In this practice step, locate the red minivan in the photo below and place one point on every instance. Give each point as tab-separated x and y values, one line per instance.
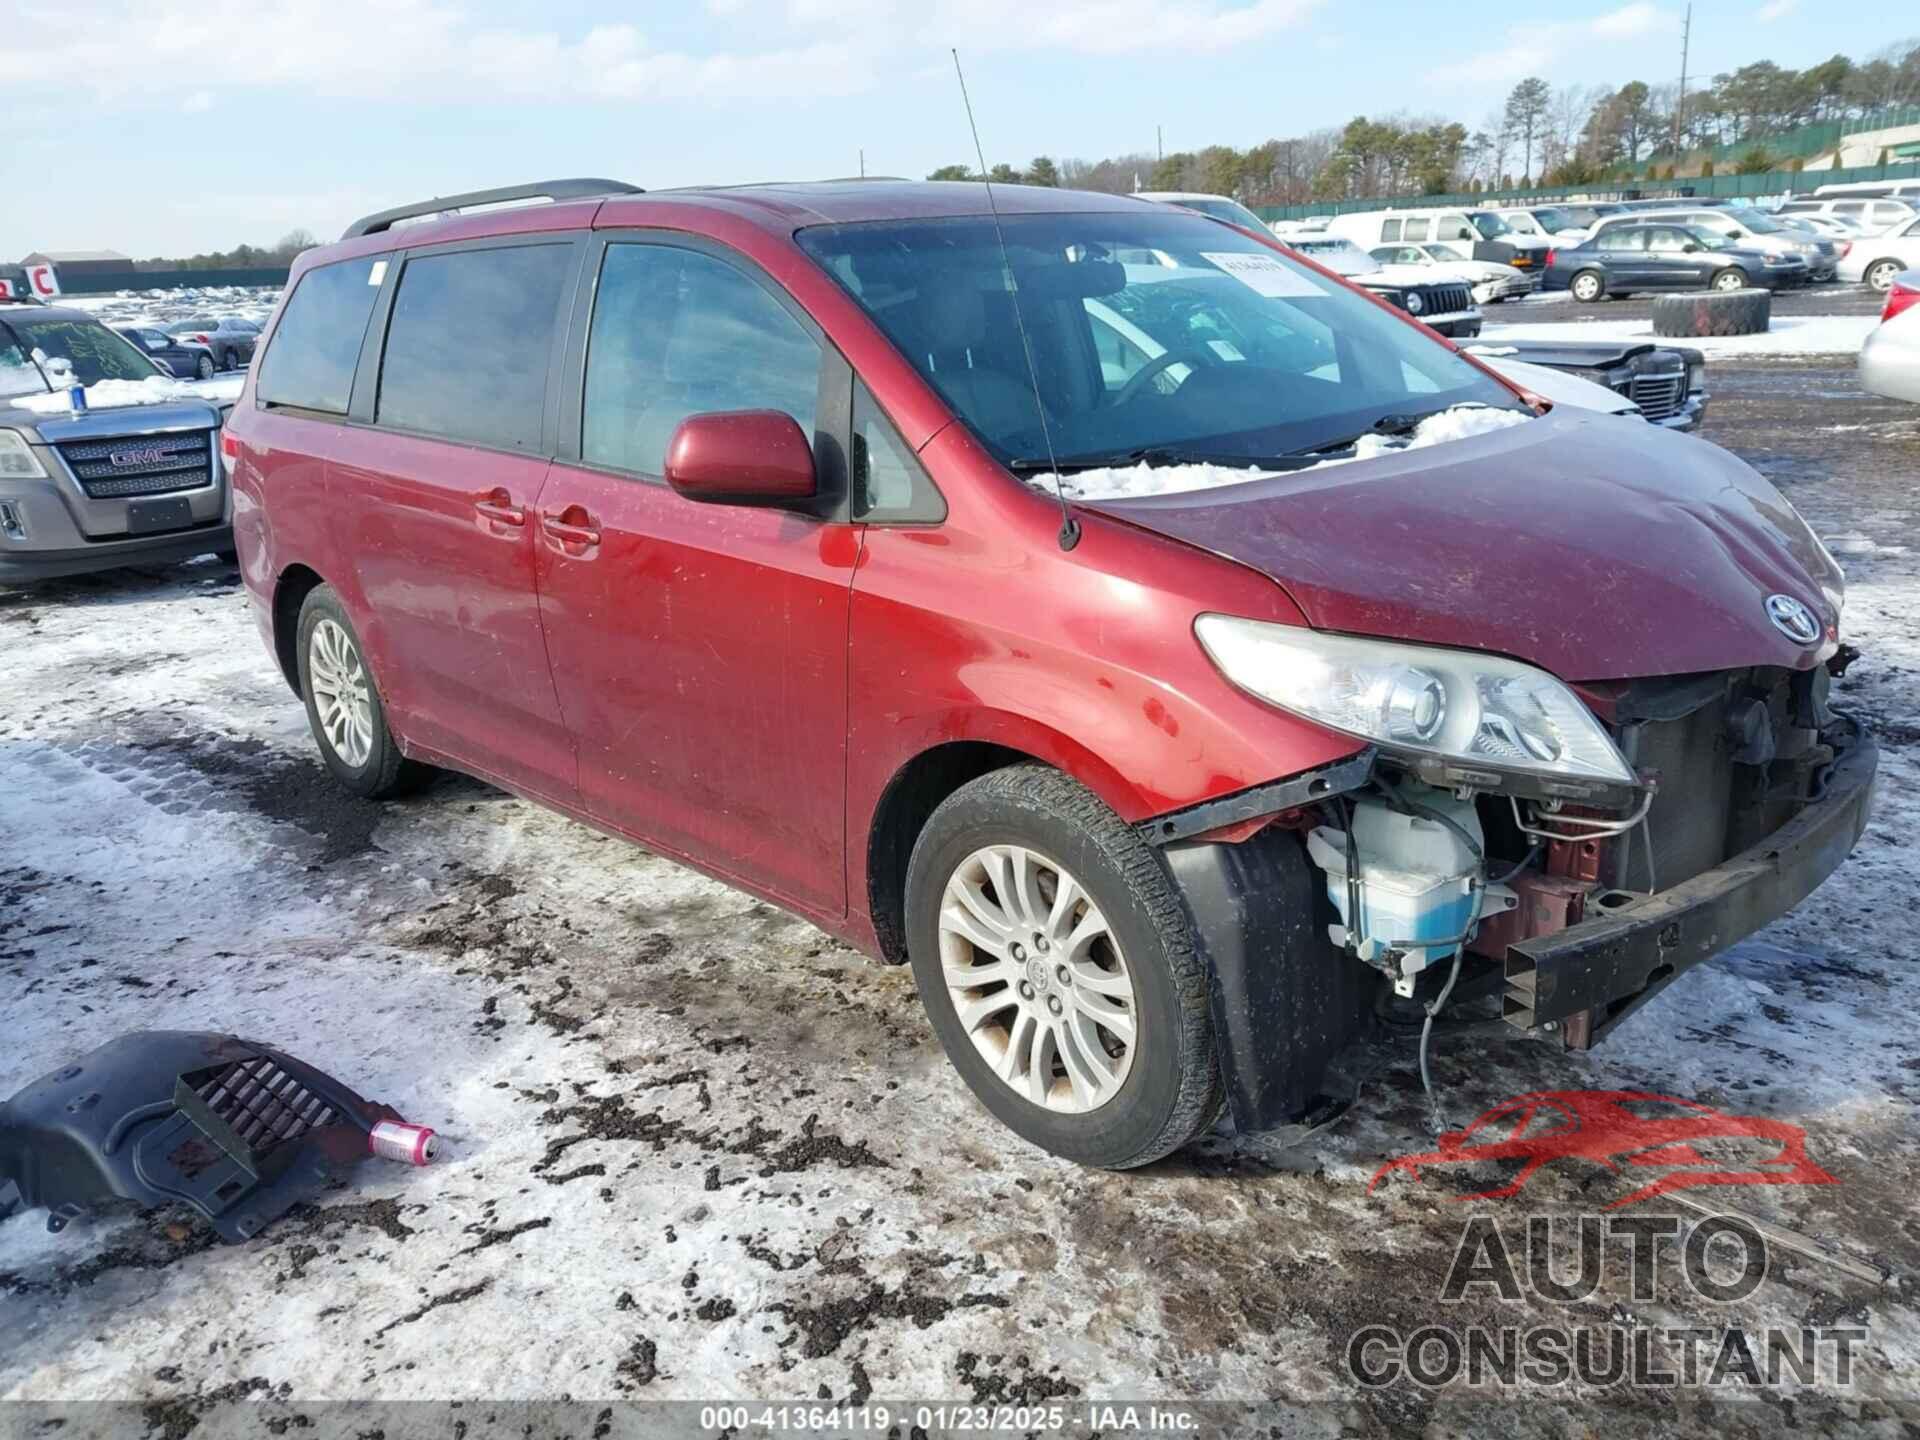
1180	657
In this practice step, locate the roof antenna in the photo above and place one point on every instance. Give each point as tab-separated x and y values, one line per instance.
1069	527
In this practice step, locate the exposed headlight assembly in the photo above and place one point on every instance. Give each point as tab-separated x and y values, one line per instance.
1455	717
1414	303
17	460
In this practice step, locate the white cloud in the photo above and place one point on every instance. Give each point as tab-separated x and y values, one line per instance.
1632	21
409	49
1775	10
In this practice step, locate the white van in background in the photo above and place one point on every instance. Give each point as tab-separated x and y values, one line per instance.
1488	236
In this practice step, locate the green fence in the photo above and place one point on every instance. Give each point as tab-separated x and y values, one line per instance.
107	282
1772	182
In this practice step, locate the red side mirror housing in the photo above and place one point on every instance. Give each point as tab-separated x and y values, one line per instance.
742	457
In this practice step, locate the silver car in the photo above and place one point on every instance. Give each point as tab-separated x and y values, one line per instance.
93	489
1890	360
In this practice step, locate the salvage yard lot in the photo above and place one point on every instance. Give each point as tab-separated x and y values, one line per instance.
699	1150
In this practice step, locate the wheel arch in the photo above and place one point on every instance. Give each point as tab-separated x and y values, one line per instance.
290	591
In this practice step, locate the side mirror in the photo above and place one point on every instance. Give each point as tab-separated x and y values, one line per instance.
741	457
1691	248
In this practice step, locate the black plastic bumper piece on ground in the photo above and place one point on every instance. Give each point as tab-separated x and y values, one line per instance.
1284	1002
1617	961
239	1131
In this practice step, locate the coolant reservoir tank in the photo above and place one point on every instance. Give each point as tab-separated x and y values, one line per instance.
1417	880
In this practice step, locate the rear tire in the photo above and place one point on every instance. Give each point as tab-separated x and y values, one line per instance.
1118	970
1588	286
343	703
229	361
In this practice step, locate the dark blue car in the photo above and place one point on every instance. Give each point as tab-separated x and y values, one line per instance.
1662	255
187	359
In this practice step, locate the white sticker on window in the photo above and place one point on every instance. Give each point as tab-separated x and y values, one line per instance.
1225	349
377	273
1267	274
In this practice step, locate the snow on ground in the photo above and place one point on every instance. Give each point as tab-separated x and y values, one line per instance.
1133	481
698	1150
1788	335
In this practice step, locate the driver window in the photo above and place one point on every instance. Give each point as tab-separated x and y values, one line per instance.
678	333
1668	242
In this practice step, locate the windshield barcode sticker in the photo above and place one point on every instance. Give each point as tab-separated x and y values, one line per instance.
1265	274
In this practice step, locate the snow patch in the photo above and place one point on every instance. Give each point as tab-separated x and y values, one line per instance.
1789	335
154	390
1129	482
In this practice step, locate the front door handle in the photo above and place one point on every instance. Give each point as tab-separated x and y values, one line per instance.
571	526
497	505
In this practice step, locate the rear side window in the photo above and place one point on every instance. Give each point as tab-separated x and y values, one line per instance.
1390	230
311	361
678	333
469	342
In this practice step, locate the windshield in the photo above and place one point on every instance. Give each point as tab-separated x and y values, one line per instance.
1447	252
1708	240
1342	256
1233	351
1553	221
94	351
1759	223
1489	225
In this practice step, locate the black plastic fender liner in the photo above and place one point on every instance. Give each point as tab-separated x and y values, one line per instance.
239	1131
1285	1002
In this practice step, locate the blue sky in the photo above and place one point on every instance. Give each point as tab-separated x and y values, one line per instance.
162	127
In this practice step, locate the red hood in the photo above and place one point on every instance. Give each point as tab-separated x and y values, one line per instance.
1595	547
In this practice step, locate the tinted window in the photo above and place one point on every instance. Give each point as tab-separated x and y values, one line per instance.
94	352
311	361
677	333
469	341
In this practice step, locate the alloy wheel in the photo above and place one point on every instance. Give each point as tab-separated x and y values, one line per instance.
342	693
1038	979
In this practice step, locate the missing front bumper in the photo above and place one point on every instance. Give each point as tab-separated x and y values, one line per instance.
1614	963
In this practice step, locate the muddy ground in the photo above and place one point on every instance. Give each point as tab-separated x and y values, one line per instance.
697	1150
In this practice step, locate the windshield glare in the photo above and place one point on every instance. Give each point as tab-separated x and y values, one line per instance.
1489	225
94	351
1148	332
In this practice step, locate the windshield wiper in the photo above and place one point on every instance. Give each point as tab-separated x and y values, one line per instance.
1154	455
1387	425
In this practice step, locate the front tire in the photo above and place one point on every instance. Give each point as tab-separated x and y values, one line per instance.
1056	962
1733	279
1588	286
203	367
1880	275
343	703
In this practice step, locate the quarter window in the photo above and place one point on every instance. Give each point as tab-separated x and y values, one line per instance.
678	333
888	483
1418	229
469	342
316	346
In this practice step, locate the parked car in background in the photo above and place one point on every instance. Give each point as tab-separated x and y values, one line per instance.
1556	223
1445	305
1745	227
1890	360
1665	385
1487	236
102	487
229	338
1827	226
1628	256
772	528
1863	216
1899	189
1220	207
187	359
1878	259
1488	280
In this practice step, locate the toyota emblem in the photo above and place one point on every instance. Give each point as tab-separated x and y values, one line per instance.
1793	619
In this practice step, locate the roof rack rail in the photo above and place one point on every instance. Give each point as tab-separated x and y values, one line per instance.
538	190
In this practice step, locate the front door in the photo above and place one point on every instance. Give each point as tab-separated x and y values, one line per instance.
1670	263
436	501
700	651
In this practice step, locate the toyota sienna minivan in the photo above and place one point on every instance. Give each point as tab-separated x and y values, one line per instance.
1175	654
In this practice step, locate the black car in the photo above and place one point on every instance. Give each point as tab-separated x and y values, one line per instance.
186	359
1625	258
231	340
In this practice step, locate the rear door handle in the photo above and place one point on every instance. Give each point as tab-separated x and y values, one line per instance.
497	505
571	526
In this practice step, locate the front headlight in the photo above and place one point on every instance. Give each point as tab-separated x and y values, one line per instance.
1474	712
17	460
1414	303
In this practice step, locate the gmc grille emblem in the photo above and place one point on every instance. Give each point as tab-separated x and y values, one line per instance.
151	455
